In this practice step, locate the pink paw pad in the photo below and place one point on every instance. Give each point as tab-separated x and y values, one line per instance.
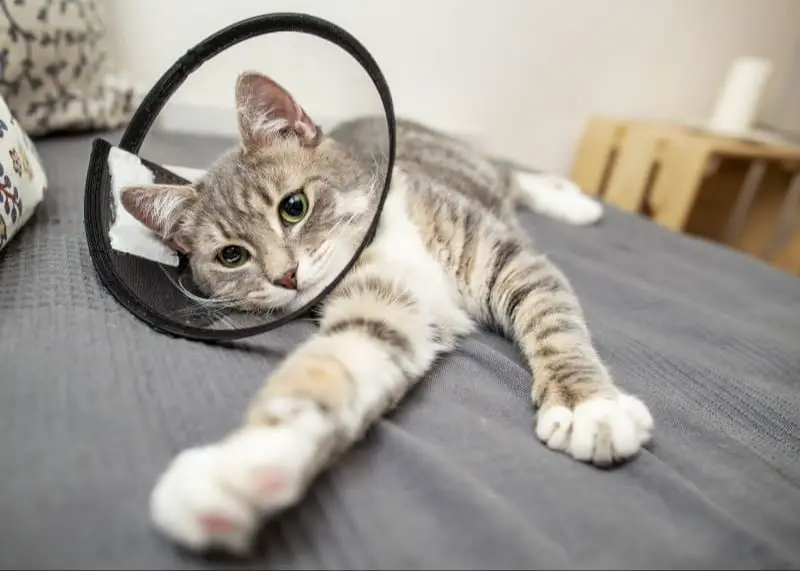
271	483
214	523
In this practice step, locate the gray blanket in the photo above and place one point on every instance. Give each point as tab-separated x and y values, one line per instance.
93	404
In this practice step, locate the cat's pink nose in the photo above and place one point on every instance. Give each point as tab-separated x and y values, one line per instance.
288	280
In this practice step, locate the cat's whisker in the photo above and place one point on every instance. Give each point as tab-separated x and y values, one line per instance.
211	314
227	321
205	301
214	300
329	248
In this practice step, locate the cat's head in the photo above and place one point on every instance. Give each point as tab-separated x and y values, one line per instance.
275	218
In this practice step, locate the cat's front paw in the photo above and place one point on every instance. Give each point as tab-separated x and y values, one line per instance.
217	496
603	430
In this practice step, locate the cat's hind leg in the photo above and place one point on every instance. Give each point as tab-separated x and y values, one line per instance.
581	410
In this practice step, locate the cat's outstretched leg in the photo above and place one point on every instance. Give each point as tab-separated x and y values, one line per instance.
378	335
580	409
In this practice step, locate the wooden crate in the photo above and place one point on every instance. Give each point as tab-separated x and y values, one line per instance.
745	194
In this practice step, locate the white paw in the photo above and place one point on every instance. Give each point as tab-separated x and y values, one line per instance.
560	198
216	496
601	430
579	210
582	210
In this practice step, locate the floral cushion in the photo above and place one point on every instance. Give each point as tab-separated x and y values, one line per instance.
55	71
23	181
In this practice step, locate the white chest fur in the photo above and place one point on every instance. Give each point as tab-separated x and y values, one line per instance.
401	254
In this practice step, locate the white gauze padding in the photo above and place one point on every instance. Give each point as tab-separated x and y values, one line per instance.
127	234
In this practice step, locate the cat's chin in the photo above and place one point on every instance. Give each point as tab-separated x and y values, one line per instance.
264	307
287	303
281	303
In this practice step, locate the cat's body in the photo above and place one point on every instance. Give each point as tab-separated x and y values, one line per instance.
448	256
433	158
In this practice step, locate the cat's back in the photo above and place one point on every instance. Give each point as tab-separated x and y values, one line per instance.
433	160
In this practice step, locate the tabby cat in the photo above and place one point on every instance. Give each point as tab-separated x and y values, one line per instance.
267	225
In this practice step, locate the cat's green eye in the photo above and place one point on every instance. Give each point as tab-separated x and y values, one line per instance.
294	207
233	256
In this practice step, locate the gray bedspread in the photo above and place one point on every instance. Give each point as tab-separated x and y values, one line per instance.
93	404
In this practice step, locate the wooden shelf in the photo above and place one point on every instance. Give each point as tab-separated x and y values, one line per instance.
743	193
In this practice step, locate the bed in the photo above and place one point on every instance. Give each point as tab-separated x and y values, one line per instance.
93	404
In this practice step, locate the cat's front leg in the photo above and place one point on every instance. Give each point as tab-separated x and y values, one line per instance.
580	409
375	340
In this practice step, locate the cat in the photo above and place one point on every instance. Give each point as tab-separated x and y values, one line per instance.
264	226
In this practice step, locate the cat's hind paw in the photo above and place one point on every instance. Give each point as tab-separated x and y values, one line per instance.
215	497
559	198
601	430
583	211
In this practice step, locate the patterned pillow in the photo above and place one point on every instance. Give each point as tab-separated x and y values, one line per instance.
23	181
55	72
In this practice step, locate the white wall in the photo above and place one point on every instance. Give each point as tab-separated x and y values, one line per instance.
521	75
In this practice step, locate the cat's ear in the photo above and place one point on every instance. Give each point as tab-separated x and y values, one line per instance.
266	112
160	207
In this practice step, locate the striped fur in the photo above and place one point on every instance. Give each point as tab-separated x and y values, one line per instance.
448	257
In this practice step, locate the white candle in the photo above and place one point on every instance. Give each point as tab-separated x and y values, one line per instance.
740	98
